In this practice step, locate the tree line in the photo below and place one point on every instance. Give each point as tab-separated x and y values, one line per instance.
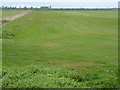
49	8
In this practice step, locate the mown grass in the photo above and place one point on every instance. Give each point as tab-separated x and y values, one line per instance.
83	43
5	13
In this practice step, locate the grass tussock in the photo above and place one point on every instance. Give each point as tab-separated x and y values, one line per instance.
8	34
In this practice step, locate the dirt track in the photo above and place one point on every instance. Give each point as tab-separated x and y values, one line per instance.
13	17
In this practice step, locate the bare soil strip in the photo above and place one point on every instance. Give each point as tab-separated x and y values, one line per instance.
13	17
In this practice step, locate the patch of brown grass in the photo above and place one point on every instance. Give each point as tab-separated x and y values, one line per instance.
52	44
71	64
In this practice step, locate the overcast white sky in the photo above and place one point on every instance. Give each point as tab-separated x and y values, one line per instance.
60	0
61	3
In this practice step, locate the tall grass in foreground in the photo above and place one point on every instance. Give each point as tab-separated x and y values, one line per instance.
39	76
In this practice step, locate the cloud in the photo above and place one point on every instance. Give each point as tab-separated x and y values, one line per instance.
60	1
65	3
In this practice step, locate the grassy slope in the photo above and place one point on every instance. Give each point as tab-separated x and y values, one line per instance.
72	39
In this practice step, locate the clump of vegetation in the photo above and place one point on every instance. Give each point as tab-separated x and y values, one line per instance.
39	76
5	21
8	34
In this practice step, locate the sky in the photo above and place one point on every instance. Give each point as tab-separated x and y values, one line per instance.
62	3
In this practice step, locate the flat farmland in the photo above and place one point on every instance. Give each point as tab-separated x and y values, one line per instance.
61	49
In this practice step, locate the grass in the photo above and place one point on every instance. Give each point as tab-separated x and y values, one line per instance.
82	43
5	13
9	12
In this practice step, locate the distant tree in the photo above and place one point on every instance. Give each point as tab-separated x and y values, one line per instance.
50	7
31	8
10	7
25	8
2	7
6	7
13	7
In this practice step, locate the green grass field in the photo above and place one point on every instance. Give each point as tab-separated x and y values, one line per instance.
5	13
66	49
